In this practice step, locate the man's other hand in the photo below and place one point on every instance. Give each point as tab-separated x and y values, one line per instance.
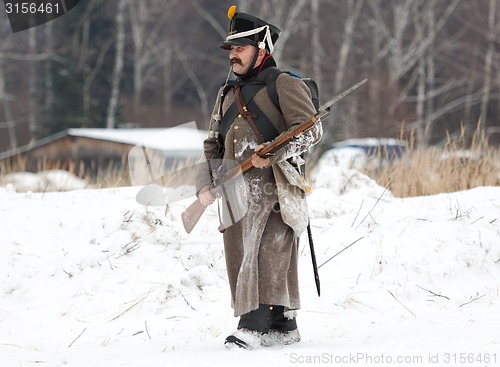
259	162
205	196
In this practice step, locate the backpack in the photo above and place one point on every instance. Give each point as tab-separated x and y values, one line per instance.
273	94
271	87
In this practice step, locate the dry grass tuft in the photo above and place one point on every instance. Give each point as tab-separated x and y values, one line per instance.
113	174
462	163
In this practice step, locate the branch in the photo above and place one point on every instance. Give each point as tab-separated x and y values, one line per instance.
410	311
338	253
69	346
472	300
210	19
374	205
128	309
146	327
187	302
359	210
200	88
431	292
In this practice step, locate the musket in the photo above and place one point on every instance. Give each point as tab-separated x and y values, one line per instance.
193	213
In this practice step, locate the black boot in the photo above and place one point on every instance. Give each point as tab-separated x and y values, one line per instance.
283	330
250	328
258	320
280	322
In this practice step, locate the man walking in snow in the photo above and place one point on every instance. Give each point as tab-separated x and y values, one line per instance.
264	217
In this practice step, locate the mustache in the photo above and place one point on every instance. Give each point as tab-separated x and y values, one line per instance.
235	60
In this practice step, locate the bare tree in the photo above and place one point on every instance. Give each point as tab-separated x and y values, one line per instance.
147	21
32	89
117	72
48	82
91	74
10	123
488	60
425	71
412	52
81	45
376	55
315	39
221	31
193	76
167	80
353	10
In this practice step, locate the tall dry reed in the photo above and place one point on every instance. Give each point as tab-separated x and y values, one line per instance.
460	164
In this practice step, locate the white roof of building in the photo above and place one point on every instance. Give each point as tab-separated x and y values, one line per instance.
183	139
165	139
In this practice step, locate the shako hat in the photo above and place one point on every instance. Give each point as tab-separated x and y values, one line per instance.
245	29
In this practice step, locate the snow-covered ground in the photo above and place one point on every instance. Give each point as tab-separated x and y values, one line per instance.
91	278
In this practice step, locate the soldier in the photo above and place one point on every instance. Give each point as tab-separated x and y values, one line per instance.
264	217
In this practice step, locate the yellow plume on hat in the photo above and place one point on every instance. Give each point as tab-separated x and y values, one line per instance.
231	11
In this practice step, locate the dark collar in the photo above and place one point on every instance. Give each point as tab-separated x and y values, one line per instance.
267	63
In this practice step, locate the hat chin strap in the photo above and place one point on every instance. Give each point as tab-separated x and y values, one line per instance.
252	65
261	44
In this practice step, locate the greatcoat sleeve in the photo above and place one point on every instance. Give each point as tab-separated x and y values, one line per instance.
297	107
212	152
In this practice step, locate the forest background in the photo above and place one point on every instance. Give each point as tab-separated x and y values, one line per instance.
433	67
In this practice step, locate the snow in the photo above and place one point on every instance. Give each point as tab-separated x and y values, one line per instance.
51	180
92	278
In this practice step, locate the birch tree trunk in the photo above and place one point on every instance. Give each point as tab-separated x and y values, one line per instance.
83	45
91	75
421	127
315	40
167	81
488	62
431	72
353	9
32	89
118	68
9	120
47	78
378	33
137	19
419	108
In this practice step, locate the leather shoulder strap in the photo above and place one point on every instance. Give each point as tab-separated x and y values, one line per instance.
247	93
249	89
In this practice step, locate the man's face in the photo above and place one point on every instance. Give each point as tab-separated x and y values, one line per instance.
241	57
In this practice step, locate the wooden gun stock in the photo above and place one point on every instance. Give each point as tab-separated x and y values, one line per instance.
192	215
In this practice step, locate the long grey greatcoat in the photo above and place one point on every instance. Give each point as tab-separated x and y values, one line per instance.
260	248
